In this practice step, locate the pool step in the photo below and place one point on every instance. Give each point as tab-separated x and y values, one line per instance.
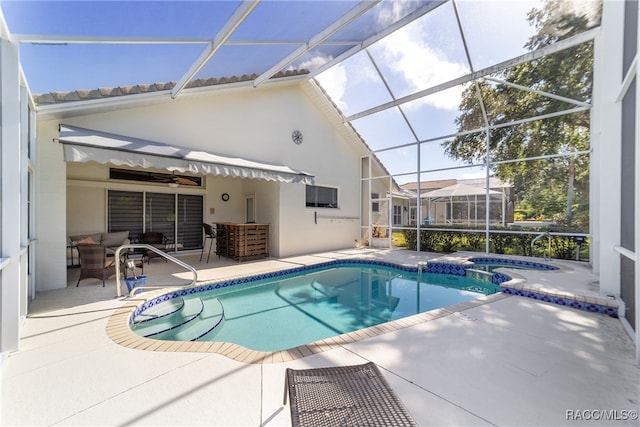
196	319
189	310
160	310
480	275
209	318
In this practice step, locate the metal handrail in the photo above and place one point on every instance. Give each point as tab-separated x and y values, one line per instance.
159	252
544	256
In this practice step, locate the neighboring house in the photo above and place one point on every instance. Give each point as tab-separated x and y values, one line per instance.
461	201
304	180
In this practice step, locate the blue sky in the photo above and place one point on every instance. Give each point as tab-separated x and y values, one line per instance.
423	54
427	52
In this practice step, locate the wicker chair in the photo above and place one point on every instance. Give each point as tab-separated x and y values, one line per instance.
157	240
94	263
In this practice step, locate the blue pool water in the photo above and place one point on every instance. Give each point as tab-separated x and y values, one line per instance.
288	311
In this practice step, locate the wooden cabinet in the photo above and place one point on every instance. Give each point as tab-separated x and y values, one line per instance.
242	241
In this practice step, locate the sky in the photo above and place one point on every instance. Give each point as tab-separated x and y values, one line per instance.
427	52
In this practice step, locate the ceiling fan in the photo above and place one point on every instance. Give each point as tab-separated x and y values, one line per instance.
183	180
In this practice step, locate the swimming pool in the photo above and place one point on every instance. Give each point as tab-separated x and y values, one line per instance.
301	306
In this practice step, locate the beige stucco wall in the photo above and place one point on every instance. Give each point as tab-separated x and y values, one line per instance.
253	123
50	211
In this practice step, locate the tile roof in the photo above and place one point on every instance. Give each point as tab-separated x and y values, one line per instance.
429	185
442	183
100	93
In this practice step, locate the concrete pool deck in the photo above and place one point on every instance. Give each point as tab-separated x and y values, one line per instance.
510	361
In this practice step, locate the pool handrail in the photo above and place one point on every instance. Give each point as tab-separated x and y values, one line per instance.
159	252
533	242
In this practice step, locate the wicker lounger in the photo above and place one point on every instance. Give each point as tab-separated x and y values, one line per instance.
343	396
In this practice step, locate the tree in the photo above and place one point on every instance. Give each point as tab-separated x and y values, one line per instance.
556	188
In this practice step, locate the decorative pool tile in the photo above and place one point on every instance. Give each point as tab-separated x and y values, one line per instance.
568	301
451	267
242	280
595	305
513	262
440	268
499	278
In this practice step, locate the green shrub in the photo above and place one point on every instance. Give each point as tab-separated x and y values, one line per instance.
434	240
448	240
563	247
500	242
522	243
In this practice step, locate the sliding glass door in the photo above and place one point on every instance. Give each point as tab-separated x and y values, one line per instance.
177	216
125	212
189	223
160	214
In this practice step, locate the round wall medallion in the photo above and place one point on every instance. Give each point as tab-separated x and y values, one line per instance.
225	197
296	136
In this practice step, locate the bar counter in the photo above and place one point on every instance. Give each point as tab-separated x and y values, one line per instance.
242	241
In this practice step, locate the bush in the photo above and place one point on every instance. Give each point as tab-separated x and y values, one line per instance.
434	240
475	242
523	243
448	241
563	247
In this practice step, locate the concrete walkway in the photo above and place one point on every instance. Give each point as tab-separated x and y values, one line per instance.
511	361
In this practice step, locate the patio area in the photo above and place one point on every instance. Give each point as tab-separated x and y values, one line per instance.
506	360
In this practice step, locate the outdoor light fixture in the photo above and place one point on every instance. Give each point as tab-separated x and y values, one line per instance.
173	184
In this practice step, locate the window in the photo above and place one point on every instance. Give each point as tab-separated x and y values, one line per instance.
321	197
413	214
397	215
375	206
250	208
146	176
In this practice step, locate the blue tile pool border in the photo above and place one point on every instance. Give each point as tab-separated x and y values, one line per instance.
564	301
254	278
506	262
460	267
434	267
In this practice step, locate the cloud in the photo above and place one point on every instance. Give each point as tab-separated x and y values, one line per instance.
334	81
417	60
312	63
390	12
421	65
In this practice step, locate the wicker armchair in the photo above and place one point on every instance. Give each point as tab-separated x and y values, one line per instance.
94	263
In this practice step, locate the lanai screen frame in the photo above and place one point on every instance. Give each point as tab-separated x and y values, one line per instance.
472	78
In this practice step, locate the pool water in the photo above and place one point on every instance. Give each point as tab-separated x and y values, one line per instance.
285	312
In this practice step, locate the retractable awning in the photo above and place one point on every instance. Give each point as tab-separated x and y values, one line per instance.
85	145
